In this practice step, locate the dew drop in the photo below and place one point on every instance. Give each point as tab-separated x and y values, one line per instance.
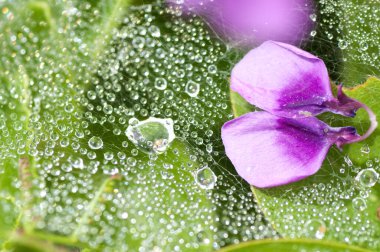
315	229
205	178
160	83
152	135
95	143
363	46
76	162
154	31
365	149
108	155
367	177
342	44
192	88
313	17
348	160
359	204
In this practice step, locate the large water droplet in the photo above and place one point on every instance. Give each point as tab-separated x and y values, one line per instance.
205	178
151	135
95	143
367	177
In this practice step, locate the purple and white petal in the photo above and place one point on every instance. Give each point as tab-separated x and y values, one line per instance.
283	80
267	150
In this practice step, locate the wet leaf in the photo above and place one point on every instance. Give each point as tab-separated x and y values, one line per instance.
333	204
296	245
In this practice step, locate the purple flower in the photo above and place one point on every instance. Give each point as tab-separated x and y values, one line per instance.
286	81
250	22
286	143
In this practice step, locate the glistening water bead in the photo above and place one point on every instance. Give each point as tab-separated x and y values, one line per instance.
160	83
205	178
78	124
359	204
367	177
95	143
192	88
151	135
315	229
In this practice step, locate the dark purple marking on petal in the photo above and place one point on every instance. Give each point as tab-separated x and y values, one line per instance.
343	105
283	80
347	106
269	151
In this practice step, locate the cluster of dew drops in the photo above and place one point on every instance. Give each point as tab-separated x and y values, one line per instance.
335	208
126	148
355	27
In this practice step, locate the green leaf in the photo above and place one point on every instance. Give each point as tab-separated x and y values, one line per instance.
160	184
331	204
295	245
98	204
360	40
239	105
346	38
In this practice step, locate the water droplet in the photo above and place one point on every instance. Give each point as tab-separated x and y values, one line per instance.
160	83
365	149
212	69
342	44
367	177
151	135
154	31
359	204
124	215
76	162
313	17
363	46
192	88
131	161
138	42
348	160
205	178
108	155
315	229
95	143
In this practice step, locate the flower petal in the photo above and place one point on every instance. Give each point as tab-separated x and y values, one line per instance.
269	151
251	22
283	80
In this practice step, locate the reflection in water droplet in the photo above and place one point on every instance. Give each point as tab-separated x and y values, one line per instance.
342	44
313	17
76	162
367	177
151	135
359	204
108	155
192	88
205	178
315	229
347	160
95	143
160	83
365	149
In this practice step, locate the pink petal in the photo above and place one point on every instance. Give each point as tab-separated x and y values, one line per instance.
269	151
283	80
